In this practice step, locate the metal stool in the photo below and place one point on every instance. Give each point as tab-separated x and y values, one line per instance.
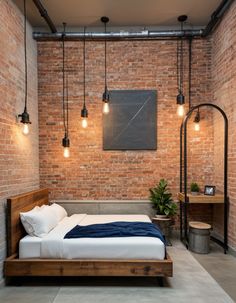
199	237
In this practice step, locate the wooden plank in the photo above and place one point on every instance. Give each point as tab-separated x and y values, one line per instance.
81	267
218	198
15	205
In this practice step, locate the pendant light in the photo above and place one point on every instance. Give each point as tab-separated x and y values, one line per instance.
180	70
65	140
84	111
25	119
105	96
197	121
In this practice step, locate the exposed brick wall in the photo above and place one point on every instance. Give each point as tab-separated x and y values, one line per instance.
19	163
224	95
90	172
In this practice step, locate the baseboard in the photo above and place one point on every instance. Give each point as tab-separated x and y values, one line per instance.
232	251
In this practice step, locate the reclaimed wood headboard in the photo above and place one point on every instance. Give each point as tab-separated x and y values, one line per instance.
15	205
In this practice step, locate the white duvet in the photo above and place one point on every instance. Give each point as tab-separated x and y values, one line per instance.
54	245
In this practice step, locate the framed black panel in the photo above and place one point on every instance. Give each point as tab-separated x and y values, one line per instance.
131	123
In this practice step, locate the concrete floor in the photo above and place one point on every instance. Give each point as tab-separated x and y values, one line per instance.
221	267
190	283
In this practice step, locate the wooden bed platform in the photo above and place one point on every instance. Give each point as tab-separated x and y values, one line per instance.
15	267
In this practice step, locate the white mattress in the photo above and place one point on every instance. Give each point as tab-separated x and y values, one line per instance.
54	245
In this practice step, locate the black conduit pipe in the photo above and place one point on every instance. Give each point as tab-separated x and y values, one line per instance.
43	12
217	16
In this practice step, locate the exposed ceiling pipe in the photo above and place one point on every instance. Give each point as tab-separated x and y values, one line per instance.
123	35
45	15
217	16
118	35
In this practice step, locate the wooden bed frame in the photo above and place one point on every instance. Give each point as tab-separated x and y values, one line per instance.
63	267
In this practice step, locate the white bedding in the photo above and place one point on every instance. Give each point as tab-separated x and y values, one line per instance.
54	245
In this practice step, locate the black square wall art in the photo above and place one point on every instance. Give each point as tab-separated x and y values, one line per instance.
131	123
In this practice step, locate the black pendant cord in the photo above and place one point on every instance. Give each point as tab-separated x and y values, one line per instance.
181	61
177	59
84	67
67	106
26	67
63	78
105	47
190	74
65	140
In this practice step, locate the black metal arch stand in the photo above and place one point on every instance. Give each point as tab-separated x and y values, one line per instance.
183	185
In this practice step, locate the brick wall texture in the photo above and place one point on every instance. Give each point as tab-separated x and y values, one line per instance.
90	172
19	162
224	95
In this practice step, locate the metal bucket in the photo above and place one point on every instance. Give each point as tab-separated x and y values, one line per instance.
199	238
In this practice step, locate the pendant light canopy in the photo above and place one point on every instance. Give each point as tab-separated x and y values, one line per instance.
196	121
25	119
105	96
180	70
65	140
84	111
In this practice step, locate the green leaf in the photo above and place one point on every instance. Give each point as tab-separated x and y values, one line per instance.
162	199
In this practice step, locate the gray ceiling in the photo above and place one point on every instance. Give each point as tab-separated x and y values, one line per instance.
77	13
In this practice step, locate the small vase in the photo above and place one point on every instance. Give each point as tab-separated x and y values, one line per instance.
195	193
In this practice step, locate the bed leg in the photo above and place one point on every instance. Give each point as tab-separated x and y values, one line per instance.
7	281
12	281
160	281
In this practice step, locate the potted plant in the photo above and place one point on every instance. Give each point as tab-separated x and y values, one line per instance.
162	199
194	187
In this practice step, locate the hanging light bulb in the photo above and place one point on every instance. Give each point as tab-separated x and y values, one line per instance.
25	122
25	129
84	115
106	99
197	126
66	146
197	121
84	123
180	110
180	70
106	108
84	111
25	119
66	152
106	95
180	105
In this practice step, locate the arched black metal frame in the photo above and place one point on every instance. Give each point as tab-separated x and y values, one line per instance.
184	172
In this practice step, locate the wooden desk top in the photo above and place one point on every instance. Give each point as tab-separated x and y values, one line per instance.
201	198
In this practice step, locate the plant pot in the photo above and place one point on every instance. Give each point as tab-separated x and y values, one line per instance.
161	216
195	193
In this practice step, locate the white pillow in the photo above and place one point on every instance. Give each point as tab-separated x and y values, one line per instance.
41	221
59	210
28	227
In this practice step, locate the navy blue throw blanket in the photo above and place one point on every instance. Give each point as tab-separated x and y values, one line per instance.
116	229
